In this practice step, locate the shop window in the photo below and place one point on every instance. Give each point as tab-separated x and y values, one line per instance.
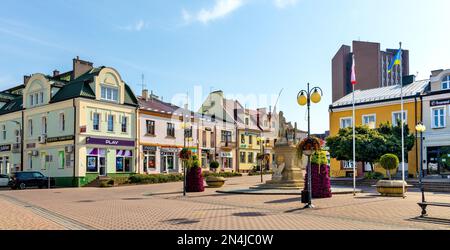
149	160
61	159
124	160
92	164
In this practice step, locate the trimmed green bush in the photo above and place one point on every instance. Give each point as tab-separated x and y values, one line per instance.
222	174
374	176
389	162
214	165
155	178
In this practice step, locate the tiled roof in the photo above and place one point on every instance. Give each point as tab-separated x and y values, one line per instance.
74	90
12	106
381	94
161	107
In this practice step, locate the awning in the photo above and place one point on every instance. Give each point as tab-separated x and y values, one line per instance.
226	155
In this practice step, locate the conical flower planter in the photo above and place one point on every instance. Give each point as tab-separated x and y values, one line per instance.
321	182
195	182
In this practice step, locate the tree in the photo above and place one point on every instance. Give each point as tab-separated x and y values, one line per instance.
370	145
393	135
389	162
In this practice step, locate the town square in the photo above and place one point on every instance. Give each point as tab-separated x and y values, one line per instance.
223	116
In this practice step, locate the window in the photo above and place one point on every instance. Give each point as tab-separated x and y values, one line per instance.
62	122
243	139
31	100
446	83
149	160
30	127
247	121
124	160
250	157
250	139
110	123
124	124
396	118
36	98
17	133
347	164
188	132
170	129
369	120
150	127
242	157
44	125
438	118
346	122
41	97
204	139
30	161
226	136
96	122
4	132
109	94
61	159
212	140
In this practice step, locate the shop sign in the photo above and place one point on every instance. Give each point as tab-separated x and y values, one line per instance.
440	102
149	148
226	155
5	148
60	138
109	142
169	150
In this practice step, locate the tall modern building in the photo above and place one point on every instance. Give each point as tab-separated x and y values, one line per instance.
371	68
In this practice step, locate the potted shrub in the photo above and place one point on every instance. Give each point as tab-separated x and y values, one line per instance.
212	180
214	165
390	187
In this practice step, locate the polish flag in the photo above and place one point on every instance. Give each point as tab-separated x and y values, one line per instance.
353	72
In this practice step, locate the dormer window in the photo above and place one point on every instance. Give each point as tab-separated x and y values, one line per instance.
446	83
36	99
109	94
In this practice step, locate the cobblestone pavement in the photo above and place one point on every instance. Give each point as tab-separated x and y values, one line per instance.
162	206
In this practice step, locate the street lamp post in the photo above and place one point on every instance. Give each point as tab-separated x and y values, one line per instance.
261	141
305	97
421	128
21	143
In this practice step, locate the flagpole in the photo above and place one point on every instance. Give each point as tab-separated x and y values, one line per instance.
354	144
403	121
354	125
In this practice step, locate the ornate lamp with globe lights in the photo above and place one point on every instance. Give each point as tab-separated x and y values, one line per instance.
304	98
420	128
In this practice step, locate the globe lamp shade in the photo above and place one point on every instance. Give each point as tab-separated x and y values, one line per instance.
316	97
302	100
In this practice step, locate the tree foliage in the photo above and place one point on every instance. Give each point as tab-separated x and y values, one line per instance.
371	144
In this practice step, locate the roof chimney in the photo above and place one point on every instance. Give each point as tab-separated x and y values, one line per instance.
80	67
55	73
26	78
145	94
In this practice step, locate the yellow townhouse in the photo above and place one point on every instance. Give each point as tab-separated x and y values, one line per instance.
372	108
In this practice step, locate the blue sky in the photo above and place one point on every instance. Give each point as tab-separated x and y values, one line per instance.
244	47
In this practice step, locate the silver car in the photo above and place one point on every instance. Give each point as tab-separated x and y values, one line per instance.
4	180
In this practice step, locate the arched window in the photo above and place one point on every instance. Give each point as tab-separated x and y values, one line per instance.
446	82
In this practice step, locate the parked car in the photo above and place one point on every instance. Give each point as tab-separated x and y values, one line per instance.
23	180
4	180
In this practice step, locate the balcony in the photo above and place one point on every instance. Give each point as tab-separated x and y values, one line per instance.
227	145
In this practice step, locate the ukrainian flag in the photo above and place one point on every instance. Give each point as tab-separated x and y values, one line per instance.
396	61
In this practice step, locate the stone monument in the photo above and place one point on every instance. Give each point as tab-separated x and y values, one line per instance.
289	170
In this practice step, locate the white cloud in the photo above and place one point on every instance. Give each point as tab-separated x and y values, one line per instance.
221	9
285	3
138	26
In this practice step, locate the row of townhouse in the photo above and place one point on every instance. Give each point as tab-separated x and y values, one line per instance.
426	101
86	123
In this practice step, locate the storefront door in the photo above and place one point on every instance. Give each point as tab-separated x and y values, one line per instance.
102	166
